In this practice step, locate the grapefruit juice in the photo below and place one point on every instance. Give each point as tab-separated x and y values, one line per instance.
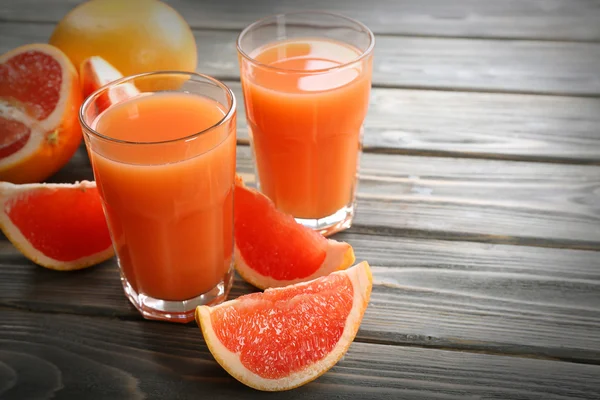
306	79
166	180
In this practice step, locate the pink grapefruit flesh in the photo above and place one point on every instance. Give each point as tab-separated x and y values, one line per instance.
37	88
95	72
59	226
273	250
39	103
288	336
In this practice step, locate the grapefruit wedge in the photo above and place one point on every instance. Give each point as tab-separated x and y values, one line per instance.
273	250
39	101
58	226
95	72
286	337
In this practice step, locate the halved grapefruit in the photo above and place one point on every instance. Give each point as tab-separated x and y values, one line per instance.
39	102
95	72
273	250
59	226
286	337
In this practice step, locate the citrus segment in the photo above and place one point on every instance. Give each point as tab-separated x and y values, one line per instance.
94	73
269	311
14	136
273	250
37	86
288	336
60	226
39	102
254	213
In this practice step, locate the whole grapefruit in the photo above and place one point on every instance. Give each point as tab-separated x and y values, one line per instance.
134	36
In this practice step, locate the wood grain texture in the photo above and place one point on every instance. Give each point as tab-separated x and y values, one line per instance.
101	358
74	335
481	200
482	125
420	63
550	205
530	19
492	298
517	127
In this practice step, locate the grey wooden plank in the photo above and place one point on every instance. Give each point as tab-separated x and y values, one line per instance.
556	68
530	19
481	125
518	127
494	298
522	127
494	201
76	357
483	200
508	299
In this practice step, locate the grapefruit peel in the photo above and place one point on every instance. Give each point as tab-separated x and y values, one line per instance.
11	193
362	282
95	72
337	255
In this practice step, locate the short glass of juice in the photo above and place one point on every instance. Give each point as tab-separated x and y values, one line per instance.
162	147
306	79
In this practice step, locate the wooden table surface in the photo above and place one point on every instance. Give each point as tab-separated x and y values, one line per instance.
478	208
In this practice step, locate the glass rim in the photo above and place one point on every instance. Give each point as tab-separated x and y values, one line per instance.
94	95
359	58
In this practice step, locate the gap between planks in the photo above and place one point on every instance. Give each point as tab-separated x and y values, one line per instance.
461	89
456	154
585	237
526	352
377	34
475	238
477	156
514	78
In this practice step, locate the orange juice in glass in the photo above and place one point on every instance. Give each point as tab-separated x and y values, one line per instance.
164	164
306	79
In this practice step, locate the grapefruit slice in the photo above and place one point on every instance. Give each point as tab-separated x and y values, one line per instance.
273	250
286	337
95	72
39	104
58	226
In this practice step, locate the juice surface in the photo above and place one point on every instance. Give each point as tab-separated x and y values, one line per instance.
306	126
169	206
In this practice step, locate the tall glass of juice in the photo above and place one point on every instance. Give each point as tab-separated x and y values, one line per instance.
162	146
306	79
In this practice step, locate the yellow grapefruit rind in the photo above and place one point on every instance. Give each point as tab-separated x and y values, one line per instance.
135	36
9	191
339	256
362	282
55	139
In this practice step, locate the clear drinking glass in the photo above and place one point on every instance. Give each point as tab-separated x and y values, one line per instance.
162	147
306	78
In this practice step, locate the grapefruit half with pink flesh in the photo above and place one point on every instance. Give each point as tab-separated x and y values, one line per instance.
286	337
95	72
58	226
39	102
273	250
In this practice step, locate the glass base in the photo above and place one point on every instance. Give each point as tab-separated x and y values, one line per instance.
336	222
176	311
